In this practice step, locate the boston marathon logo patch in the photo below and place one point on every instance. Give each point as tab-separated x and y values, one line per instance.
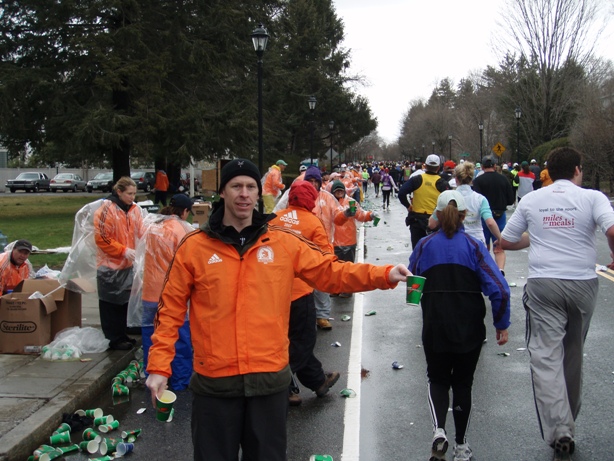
265	255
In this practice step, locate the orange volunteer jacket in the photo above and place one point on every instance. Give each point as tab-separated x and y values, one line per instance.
240	323
345	228
114	231
161	242
161	181
10	274
273	184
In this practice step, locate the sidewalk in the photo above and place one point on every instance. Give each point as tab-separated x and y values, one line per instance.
34	392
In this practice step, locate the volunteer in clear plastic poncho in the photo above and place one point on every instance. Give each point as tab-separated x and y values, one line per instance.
117	225
154	253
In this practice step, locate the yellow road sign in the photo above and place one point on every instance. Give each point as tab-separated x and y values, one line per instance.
498	149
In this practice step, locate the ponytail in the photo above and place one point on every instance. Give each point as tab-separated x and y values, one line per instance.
451	219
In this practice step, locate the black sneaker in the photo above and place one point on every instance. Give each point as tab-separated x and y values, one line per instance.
331	379
121	345
563	448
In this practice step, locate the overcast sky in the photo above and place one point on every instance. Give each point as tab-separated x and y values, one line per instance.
404	47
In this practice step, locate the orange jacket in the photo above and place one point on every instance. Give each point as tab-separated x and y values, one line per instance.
114	231
308	225
161	181
273	184
545	178
240	303
345	228
10	274
160	240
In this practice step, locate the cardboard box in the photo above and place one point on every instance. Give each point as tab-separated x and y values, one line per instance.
67	300
24	322
200	212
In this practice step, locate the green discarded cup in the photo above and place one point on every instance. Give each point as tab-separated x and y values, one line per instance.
108	419
69	448
102	458
119	390
94	413
64	427
320	458
108	427
164	405
50	455
108	445
347	393
59	439
376	221
131	436
89	446
415	286
91	434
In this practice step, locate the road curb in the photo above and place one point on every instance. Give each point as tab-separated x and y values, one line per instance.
22	440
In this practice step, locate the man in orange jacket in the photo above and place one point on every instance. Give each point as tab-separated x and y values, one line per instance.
237	275
161	187
273	185
14	266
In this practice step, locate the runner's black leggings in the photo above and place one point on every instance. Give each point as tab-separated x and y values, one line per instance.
386	196
449	370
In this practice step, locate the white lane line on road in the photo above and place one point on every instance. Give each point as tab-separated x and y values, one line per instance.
351	432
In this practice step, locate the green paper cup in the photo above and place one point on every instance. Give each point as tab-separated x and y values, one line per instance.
108	445
104	420
40	451
91	434
94	413
50	455
108	427
103	458
119	390
376	221
119	399
69	448
59	439
64	427
164	405
89	446
130	434
415	285
320	458
352	203
123	448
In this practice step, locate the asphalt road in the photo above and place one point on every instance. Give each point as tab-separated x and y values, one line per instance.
389	419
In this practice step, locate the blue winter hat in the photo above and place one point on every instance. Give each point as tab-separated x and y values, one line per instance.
313	172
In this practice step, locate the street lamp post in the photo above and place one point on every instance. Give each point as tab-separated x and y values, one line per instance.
518	114
450	143
481	127
331	126
433	143
312	107
260	37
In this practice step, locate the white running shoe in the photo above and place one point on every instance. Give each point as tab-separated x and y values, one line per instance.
439	446
462	452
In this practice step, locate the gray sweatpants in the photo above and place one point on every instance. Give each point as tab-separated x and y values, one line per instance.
558	317
323	304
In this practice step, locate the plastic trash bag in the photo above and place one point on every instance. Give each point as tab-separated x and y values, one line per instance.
71	343
46	273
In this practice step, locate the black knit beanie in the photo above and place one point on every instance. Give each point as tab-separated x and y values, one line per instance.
240	167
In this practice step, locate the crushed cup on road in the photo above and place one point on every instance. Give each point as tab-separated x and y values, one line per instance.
108	427
123	448
320	458
370	313
504	354
336	344
91	434
345	318
108	419
131	436
396	365
347	393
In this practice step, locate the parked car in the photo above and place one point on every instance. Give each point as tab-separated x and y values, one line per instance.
66	182
102	182
144	180
30	181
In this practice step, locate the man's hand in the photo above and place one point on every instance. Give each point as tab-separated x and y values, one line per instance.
130	254
501	337
157	384
398	274
496	248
